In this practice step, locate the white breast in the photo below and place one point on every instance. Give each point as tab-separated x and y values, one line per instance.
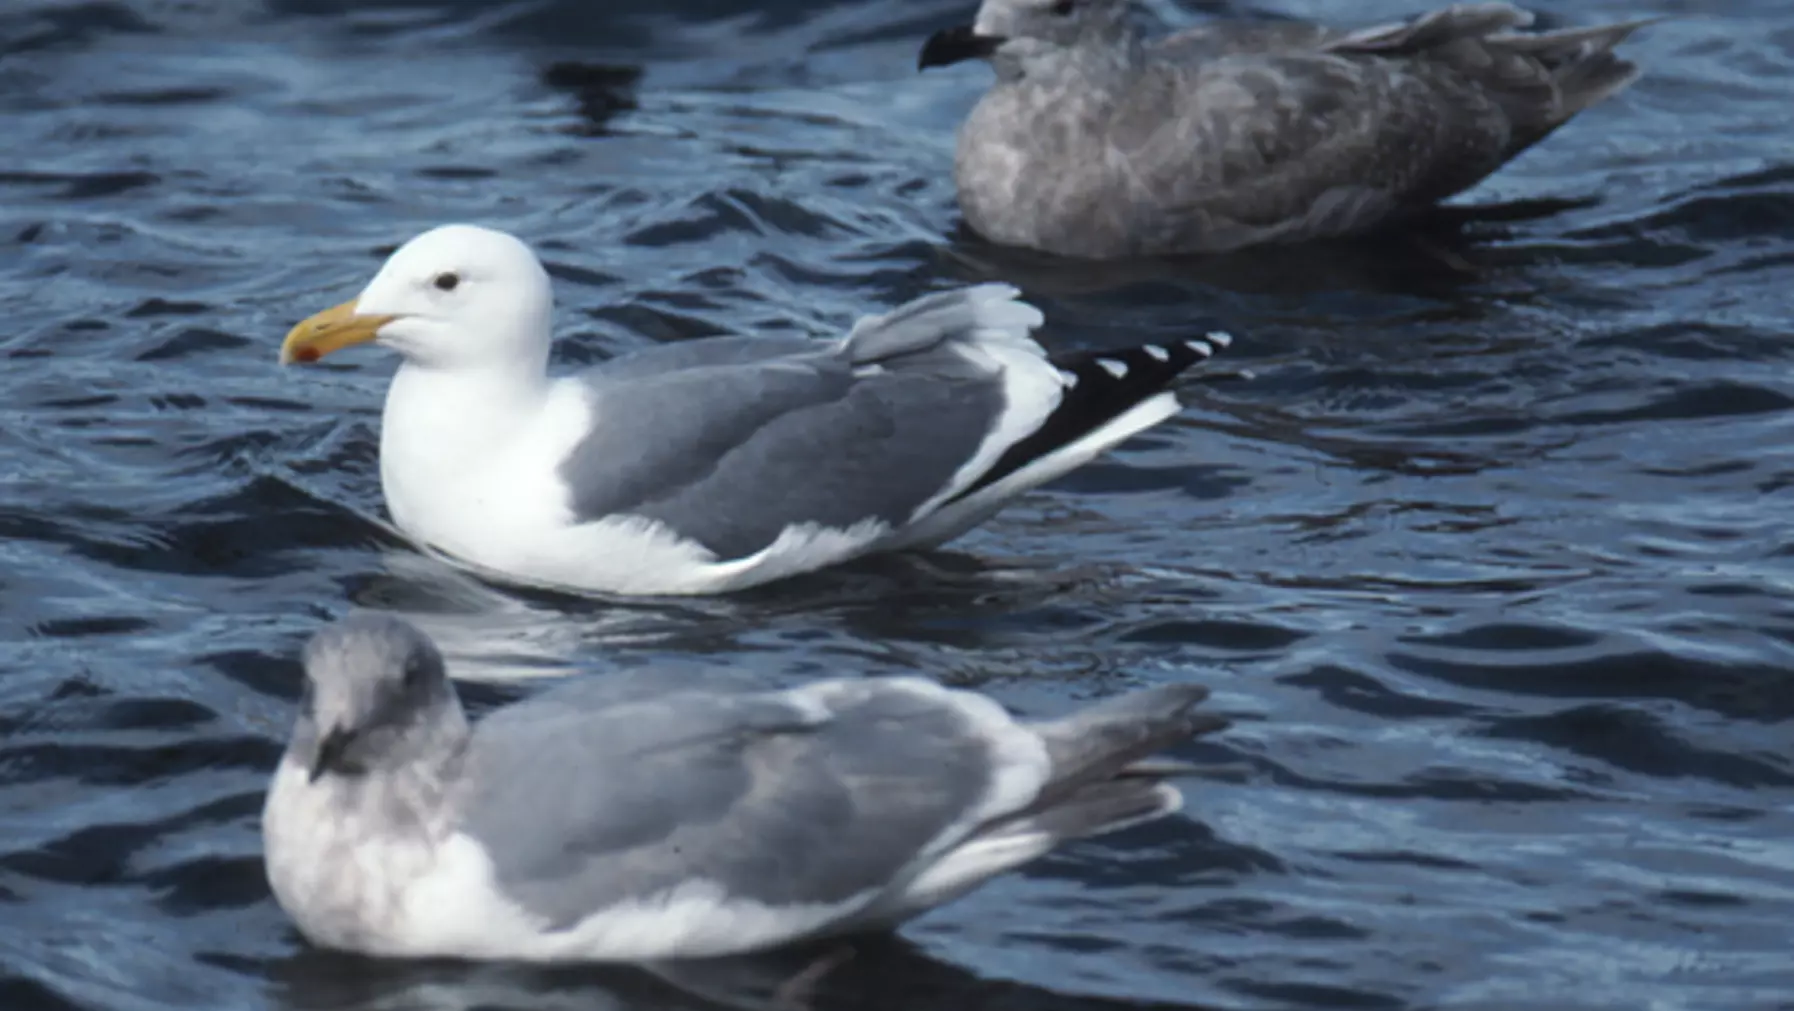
350	881
471	469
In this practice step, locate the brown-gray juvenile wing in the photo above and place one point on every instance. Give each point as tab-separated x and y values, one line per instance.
1266	132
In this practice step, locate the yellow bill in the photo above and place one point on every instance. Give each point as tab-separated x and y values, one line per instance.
333	329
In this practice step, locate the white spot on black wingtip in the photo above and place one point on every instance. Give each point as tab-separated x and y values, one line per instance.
1200	347
1070	379
1219	338
1156	353
1113	367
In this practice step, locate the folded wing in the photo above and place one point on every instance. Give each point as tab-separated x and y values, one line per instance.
732	446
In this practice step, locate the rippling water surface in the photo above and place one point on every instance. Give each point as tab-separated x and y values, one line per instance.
1489	554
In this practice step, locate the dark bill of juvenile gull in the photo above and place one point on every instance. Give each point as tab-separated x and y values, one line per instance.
1097	142
711	465
648	817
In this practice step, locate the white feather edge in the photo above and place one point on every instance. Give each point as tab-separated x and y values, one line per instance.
955	518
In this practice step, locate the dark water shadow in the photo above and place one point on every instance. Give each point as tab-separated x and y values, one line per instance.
600	91
871	973
1438	255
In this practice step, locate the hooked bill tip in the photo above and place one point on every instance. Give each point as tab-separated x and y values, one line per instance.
954	45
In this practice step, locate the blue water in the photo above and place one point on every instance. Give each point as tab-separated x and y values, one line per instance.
1489	556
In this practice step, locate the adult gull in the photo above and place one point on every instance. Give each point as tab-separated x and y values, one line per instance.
1097	142
711	465
642	818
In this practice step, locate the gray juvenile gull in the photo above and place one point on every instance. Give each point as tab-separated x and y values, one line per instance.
1096	142
710	465
642	818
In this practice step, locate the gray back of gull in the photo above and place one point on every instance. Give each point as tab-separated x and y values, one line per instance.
585	798
730	441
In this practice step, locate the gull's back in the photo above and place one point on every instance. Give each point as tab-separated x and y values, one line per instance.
650	815
1218	39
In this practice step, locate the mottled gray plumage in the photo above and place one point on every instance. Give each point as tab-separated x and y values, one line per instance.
840	796
895	410
1097	142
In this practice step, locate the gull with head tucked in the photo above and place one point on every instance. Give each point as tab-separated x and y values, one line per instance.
711	465
647	817
1097	142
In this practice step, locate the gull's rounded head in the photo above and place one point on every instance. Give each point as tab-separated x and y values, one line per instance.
1057	21
1017	36
376	695
457	296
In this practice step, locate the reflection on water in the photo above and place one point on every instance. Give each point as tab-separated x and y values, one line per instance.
871	973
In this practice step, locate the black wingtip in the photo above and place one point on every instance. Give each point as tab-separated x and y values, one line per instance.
1101	386
1130	375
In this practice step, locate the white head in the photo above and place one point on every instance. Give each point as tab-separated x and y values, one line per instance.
1017	34
455	297
377	699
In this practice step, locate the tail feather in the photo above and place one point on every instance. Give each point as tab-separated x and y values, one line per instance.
1579	63
1102	741
1103	807
1544	78
1102	781
1105	773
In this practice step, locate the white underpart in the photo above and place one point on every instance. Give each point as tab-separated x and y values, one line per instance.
468	463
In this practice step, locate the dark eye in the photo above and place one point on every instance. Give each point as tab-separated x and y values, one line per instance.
446	281
414	672
1064	8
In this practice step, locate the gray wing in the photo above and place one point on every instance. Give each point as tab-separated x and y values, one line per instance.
1258	132
712	352
779	798
729	446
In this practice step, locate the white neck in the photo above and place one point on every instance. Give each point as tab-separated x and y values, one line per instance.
441	425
